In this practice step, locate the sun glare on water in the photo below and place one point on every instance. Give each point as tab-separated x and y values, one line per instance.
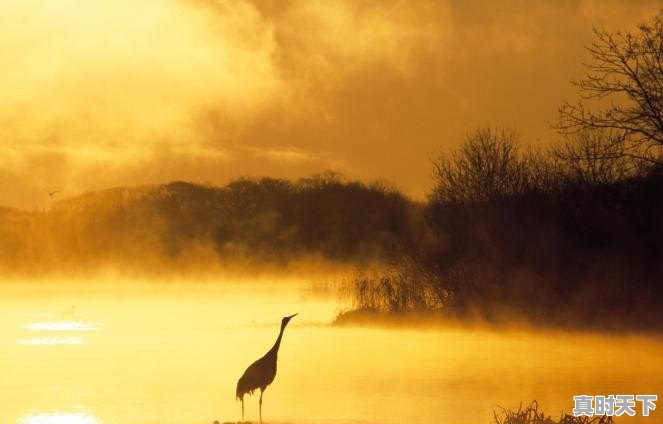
62	326
59	326
44	341
60	418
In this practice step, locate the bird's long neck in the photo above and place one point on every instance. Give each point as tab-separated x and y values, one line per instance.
277	344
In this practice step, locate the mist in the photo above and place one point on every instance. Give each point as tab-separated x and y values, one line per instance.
416	189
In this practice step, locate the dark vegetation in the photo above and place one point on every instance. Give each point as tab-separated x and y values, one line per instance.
184	225
570	236
512	234
532	415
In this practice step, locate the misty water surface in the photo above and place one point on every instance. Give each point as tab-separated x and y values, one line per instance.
167	353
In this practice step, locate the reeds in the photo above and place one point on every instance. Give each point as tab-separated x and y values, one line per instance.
531	415
395	290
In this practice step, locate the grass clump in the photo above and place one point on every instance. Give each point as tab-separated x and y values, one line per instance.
532	415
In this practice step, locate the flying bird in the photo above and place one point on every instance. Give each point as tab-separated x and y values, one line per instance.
261	373
51	193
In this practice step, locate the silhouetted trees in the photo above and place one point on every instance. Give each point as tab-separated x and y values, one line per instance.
594	156
564	236
268	221
547	236
625	77
488	165
571	235
554	237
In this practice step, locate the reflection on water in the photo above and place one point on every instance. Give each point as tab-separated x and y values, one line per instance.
42	341
63	326
153	354
60	418
57	326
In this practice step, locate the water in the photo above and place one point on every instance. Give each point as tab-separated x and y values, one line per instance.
148	353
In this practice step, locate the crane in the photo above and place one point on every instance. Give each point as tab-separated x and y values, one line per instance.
261	373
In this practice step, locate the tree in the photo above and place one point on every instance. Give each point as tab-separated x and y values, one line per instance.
487	165
593	157
625	80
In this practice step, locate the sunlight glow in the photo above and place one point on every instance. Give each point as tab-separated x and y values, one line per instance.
61	418
63	326
44	341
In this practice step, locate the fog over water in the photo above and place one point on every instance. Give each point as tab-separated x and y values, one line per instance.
176	176
172	353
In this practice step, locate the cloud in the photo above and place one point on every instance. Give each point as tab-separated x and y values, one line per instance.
108	92
122	72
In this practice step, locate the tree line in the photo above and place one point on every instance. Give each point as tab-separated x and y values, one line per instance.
514	233
265	220
567	235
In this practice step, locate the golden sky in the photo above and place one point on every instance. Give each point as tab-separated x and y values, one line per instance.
100	93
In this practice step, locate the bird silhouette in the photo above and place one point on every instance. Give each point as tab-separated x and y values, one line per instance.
51	193
261	373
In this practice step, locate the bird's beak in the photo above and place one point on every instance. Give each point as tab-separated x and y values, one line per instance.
292	316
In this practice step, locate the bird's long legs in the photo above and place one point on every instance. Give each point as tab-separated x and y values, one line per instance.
242	408
260	406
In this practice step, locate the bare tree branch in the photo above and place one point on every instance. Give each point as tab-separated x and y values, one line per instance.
627	68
